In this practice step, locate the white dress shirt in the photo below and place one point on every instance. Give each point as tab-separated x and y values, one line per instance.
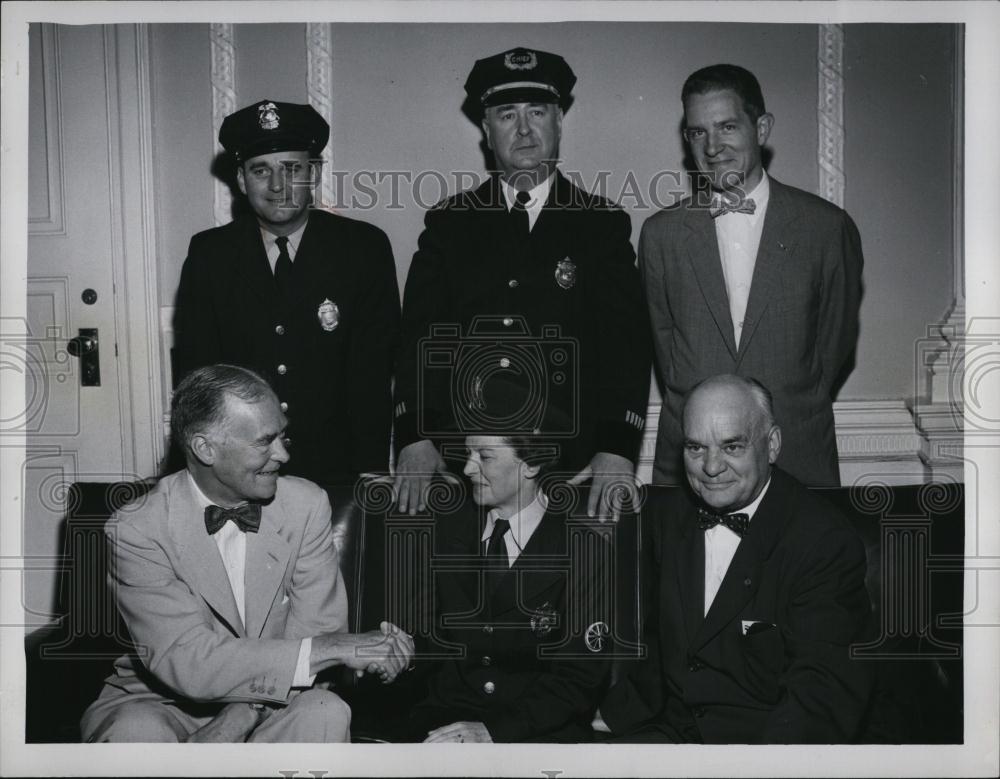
720	546
271	246
522	525
538	194
232	545
739	239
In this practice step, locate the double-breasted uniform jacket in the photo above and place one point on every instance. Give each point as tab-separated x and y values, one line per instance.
175	598
568	303
717	678
800	327
332	368
529	659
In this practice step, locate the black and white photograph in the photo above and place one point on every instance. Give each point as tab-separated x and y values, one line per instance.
603	388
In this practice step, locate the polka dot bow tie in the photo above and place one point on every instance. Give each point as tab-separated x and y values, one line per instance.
738	523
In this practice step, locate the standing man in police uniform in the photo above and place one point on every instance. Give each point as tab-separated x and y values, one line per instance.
525	268
305	297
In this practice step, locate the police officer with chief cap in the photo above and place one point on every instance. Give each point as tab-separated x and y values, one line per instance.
306	297
526	257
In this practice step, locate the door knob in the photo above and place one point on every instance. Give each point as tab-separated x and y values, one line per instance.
85	346
82	344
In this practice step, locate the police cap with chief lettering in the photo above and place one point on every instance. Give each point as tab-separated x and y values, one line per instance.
269	126
520	76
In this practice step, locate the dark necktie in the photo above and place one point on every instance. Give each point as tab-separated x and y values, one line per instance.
283	268
519	214
724	205
738	523
246	517
497	561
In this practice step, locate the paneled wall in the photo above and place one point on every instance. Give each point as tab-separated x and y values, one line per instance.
399	142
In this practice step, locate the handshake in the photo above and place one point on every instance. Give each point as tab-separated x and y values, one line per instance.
386	652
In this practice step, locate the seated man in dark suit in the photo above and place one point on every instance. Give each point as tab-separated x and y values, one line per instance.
757	593
227	578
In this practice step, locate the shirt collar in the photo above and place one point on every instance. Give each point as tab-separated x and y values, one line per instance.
200	497
759	195
538	193
752	508
523	524
293	238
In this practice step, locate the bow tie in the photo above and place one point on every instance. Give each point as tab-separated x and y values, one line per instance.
246	517
738	523
721	205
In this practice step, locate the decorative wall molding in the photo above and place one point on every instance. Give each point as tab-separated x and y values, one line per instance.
223	54
51	222
830	113
319	86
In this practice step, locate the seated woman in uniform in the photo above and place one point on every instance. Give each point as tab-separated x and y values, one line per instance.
513	639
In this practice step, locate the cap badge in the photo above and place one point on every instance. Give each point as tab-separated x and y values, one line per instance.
594	637
566	273
328	315
544	619
267	116
520	60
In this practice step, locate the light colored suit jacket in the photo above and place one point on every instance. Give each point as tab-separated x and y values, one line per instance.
174	595
800	327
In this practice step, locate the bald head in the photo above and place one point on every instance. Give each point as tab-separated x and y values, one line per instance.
730	441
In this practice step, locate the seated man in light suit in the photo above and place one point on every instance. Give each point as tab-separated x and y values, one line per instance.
227	578
757	591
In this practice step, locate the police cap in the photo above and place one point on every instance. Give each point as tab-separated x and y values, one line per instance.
520	76
269	126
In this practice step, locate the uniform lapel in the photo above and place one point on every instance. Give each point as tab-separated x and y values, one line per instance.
267	558
771	254
536	569
743	576
702	247
252	262
199	554
689	554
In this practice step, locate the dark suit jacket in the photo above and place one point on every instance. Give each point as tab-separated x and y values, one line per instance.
337	383
801	321
595	363
175	598
800	568
534	638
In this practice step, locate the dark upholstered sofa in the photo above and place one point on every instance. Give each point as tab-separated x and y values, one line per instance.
913	536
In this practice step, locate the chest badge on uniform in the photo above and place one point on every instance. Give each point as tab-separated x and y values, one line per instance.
544	619
594	637
328	315
566	273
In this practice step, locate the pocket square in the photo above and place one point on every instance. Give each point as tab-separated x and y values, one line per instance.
752	626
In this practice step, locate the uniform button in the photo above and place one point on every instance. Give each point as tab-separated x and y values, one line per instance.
280	329
507	321
487	628
489	687
512	283
487	660
284	406
694	665
504	362
698	711
282	369
287	442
